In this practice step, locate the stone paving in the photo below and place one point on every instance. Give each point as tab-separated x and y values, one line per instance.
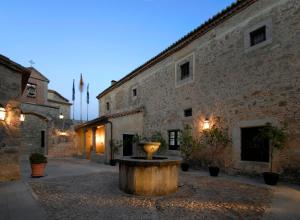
96	196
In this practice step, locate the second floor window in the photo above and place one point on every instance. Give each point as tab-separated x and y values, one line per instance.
188	112
31	90
185	70
107	106
257	36
134	92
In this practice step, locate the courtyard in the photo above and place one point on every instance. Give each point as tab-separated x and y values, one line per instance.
80	189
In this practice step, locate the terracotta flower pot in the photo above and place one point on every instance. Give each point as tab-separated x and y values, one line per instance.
213	171
37	170
271	178
184	166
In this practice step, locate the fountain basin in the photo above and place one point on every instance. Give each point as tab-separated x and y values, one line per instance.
150	148
156	177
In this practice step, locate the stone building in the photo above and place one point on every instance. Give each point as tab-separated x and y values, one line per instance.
56	99
42	126
13	80
240	69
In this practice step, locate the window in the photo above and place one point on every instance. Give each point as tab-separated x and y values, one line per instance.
185	71
257	36
31	90
134	93
107	106
174	139
253	148
188	112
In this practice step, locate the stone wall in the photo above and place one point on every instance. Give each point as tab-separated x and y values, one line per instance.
41	89
10	90
230	81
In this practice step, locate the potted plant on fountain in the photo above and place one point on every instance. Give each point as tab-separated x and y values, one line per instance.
187	145
276	137
217	140
38	163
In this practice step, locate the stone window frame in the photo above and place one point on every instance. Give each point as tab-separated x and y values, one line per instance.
237	141
188	58
247	40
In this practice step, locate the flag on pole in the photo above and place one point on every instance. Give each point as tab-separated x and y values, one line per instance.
88	94
81	83
81	88
73	91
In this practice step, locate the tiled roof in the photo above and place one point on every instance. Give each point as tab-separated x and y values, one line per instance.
219	18
104	119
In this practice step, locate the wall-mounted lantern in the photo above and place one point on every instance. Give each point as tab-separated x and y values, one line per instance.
61	116
2	113
22	117
206	124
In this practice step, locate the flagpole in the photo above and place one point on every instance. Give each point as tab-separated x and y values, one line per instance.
87	112
80	106
87	101
73	98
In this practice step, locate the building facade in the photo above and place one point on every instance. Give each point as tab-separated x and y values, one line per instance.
57	100
42	128
13	80
238	70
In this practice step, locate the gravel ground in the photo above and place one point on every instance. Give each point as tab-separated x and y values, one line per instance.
96	196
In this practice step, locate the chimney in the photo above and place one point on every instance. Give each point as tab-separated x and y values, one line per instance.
113	82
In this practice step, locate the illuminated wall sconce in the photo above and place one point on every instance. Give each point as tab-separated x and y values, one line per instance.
62	133
206	124
2	113
61	116
22	117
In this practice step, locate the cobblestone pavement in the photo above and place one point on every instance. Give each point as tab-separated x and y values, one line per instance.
96	196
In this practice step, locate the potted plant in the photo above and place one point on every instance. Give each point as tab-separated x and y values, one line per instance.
187	145
38	163
276	137
216	139
114	150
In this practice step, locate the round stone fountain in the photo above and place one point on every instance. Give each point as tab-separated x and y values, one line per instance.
149	175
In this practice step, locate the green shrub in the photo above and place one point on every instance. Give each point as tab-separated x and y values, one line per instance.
188	144
37	158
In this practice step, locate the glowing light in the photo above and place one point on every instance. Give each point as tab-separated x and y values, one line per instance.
22	117
206	124
61	116
2	113
100	139
62	133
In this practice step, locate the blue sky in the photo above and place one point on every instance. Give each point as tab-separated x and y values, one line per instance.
103	39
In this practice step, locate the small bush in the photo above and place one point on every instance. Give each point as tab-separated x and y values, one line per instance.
37	158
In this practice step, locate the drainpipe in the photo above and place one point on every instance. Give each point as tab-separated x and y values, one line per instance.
111	139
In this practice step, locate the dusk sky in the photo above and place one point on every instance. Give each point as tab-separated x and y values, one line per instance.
104	40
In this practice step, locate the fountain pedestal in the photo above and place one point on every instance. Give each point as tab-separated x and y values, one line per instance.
155	177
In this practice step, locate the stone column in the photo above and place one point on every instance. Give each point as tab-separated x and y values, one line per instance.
94	129
84	130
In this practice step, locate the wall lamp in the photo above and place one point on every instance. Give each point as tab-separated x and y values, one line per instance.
2	113
61	116
206	124
22	116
